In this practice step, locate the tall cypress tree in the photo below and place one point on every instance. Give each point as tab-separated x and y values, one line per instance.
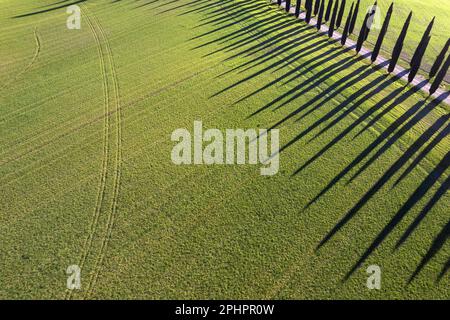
415	68
440	58
370	20
309	10
288	5
377	48
399	44
317	6
320	17
341	14
440	76
347	26
355	16
297	8
362	34
328	13
421	48
333	19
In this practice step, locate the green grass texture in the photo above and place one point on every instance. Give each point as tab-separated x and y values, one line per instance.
86	176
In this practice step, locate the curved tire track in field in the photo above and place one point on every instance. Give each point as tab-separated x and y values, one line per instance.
105	56
118	162
33	60
102	184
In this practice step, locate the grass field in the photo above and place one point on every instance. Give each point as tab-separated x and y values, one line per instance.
86	175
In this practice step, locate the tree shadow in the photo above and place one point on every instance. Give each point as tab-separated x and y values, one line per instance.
49	9
271	29
248	28
421	216
232	11
182	6
435	247
390	135
146	4
306	86
273	44
444	271
383	136
354	101
303	52
423	188
438	139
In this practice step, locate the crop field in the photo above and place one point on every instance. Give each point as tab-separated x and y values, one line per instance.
86	176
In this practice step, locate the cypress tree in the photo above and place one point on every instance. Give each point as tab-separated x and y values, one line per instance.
440	76
320	17
333	19
341	14
355	16
421	48
279	2
347	26
288	5
415	68
376	50
362	34
309	10
297	8
399	44
370	19
317	6
328	13
440	58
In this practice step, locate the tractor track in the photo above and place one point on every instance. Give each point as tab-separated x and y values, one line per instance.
37	51
102	189
118	162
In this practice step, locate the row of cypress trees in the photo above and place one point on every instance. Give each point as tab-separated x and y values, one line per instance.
334	14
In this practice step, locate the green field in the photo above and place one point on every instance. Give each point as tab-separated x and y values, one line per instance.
87	179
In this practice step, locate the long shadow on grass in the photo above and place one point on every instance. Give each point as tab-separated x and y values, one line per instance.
392	140
248	28
49	9
430	204
421	190
274	54
438	139
207	7
323	66
248	39
230	12
444	269
384	135
295	33
347	107
306	86
410	117
437	244
181	6
302	52
147	3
